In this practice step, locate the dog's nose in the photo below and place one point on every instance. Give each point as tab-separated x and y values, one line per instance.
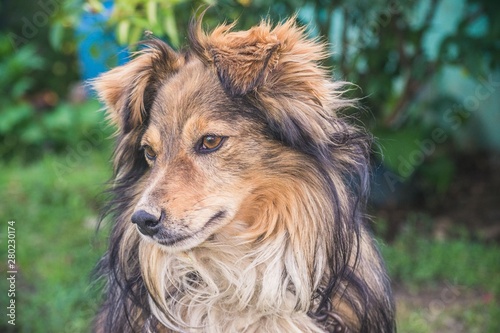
148	224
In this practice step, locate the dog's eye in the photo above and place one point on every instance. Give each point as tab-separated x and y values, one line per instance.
210	143
149	153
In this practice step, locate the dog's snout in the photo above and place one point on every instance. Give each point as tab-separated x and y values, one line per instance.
147	223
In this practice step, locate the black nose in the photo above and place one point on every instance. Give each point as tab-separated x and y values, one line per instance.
148	224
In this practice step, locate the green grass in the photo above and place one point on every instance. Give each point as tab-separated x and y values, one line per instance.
450	285
55	203
55	216
421	261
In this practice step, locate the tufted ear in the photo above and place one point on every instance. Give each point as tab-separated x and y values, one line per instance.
129	90
243	60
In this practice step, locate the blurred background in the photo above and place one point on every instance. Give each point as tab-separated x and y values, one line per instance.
427	73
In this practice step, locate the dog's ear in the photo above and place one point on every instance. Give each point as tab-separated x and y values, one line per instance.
243	66
243	60
129	90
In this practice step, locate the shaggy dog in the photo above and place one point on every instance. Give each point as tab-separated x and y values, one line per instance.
238	192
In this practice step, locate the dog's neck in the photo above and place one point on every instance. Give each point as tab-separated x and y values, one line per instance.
228	286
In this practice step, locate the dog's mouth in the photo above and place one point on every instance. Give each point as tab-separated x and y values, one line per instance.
168	237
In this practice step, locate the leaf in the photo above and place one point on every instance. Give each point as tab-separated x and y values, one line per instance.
56	35
122	32
32	134
151	12
170	26
13	115
21	86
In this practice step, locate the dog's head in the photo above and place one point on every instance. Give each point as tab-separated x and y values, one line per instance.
210	136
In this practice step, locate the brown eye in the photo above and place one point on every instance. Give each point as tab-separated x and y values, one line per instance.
149	153
210	143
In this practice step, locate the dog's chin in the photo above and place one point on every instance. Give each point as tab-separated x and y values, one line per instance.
182	241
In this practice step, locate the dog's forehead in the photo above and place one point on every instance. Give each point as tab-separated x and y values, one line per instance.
194	91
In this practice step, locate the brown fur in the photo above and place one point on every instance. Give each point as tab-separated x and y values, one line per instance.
268	233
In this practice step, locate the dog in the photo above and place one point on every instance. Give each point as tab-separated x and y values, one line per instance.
238	191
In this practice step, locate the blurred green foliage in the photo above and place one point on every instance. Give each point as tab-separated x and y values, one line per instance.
28	134
46	27
16	68
396	53
170	19
39	68
133	17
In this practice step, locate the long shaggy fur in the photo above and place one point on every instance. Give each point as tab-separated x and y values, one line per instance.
285	248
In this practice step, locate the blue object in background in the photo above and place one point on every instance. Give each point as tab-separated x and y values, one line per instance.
97	48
